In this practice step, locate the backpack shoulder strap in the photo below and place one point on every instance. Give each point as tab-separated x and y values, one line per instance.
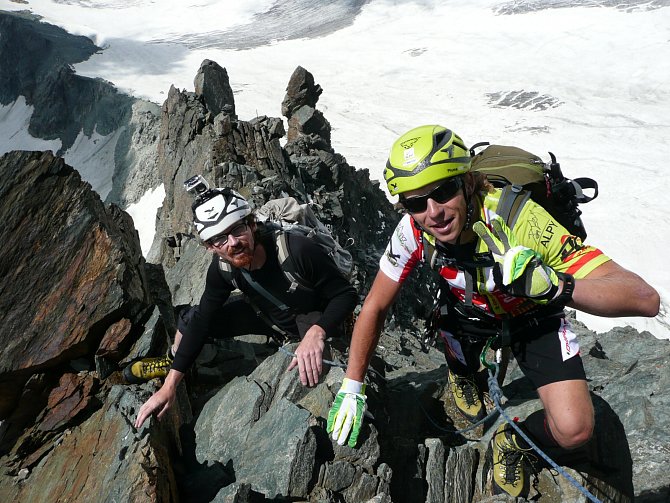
227	272
262	291
429	251
287	264
512	199
431	255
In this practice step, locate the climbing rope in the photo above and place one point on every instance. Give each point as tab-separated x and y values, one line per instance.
496	395
464	430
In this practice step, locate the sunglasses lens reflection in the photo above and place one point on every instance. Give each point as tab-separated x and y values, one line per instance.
440	194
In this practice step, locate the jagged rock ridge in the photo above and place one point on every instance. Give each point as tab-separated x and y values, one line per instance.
66	430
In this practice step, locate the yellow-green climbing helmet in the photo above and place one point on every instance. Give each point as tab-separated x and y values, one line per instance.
424	155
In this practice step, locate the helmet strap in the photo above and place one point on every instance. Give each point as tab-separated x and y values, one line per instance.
469	210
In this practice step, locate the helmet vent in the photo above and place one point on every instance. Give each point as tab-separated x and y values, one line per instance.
439	138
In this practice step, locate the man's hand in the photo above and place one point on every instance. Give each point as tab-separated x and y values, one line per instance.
346	415
519	271
160	401
309	356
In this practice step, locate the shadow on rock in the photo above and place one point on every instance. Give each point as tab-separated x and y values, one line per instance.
607	456
199	482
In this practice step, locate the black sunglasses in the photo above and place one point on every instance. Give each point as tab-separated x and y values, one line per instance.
440	194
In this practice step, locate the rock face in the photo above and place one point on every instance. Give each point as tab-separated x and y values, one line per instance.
58	237
212	85
63	101
73	300
36	62
78	302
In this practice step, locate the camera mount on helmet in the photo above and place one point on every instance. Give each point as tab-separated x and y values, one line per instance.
198	187
214	210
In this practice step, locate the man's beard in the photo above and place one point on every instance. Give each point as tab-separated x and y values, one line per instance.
241	259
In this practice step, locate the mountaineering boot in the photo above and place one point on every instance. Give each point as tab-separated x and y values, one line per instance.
466	397
509	472
145	369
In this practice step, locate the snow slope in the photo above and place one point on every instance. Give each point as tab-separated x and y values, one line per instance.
586	80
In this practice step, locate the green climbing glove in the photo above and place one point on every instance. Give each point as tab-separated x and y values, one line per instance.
518	271
346	414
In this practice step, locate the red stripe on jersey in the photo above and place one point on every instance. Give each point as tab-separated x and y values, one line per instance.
411	263
584	259
448	272
416	255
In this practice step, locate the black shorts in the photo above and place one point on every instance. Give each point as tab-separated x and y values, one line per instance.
546	353
549	355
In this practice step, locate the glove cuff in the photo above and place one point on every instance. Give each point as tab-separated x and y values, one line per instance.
351	386
551	295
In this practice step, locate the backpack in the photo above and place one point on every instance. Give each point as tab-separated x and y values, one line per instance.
285	216
523	175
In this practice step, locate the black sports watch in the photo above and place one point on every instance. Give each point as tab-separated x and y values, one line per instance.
568	288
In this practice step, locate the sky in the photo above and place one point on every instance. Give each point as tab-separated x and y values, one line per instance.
585	80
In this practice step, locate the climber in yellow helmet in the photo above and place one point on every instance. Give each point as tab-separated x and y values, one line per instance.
492	279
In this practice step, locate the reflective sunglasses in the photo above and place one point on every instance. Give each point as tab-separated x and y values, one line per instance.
440	194
221	240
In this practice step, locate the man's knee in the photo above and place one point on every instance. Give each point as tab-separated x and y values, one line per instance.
573	432
184	315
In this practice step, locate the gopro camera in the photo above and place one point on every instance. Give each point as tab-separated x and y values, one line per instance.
196	186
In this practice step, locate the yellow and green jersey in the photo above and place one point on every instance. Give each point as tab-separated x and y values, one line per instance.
535	228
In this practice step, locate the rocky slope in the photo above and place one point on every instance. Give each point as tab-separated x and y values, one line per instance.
78	301
111	137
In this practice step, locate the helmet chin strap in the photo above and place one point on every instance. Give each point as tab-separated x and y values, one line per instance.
469	210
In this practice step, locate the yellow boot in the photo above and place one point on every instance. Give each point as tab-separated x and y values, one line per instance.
509	472
144	370
466	397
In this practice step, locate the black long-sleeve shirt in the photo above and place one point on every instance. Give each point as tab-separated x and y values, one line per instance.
331	294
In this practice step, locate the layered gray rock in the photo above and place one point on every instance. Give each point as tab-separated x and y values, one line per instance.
275	441
213	87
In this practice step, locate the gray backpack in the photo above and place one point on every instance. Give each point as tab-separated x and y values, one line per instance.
286	216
